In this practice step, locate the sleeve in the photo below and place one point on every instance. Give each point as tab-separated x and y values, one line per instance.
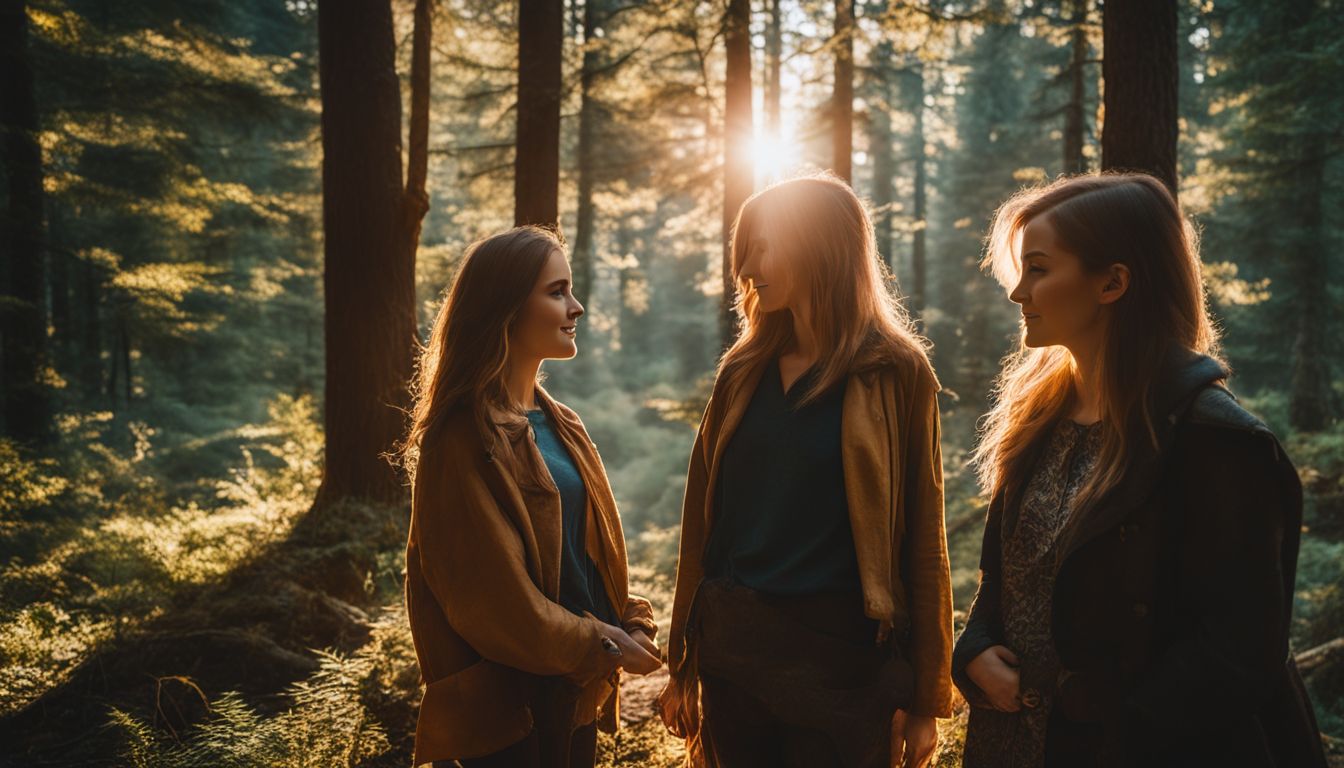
1241	506
638	614
984	628
473	561
929	581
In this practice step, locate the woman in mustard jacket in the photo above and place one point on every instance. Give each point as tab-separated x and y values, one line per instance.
812	618
515	565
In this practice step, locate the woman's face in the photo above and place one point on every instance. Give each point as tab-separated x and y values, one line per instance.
1062	303
773	276
546	326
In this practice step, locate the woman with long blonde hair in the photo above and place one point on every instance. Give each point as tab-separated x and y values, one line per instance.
811	623
1139	551
515	567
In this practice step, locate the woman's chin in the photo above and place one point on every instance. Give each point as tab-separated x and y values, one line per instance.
1032	342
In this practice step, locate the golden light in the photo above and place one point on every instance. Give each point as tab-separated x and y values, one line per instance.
774	156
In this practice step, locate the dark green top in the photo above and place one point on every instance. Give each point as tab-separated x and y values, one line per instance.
581	587
781	519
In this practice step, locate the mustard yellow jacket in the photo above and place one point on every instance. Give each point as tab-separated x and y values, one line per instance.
482	580
894	488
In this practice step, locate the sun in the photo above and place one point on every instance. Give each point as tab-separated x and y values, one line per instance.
773	155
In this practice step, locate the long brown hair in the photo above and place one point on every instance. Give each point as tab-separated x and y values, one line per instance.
1104	219
857	321
463	364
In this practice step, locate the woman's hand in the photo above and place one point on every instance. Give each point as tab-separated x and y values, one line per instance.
646	643
635	657
995	671
913	740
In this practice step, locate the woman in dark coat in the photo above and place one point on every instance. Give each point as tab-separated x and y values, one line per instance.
1141	541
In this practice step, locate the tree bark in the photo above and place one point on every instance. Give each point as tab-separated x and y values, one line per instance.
23	331
1310	399
842	99
738	170
369	280
536	166
1139	71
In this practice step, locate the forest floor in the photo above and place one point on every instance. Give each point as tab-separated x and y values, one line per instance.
152	618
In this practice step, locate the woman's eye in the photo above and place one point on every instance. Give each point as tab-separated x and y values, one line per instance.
558	294
1036	270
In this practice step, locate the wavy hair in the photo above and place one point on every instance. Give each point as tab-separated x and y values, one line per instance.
464	361
827	238
1103	219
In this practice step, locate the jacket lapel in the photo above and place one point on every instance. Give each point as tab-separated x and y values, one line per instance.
603	539
542	506
866	427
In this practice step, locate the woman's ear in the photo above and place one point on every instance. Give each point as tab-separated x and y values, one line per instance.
1117	282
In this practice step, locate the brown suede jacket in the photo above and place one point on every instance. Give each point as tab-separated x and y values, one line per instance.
894	486
482	580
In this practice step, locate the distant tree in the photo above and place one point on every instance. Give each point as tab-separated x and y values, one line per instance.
842	95
774	57
1074	111
879	96
914	91
738	170
23	313
1278	68
589	115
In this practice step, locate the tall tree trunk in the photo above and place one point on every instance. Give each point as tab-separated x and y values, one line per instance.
880	147
842	98
589	114
738	171
919	258
774	54
1074	161
369	279
23	330
536	165
1139	72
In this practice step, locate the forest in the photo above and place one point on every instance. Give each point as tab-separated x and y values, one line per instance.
226	224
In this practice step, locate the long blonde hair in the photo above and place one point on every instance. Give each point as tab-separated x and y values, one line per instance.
828	237
1104	219
463	364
